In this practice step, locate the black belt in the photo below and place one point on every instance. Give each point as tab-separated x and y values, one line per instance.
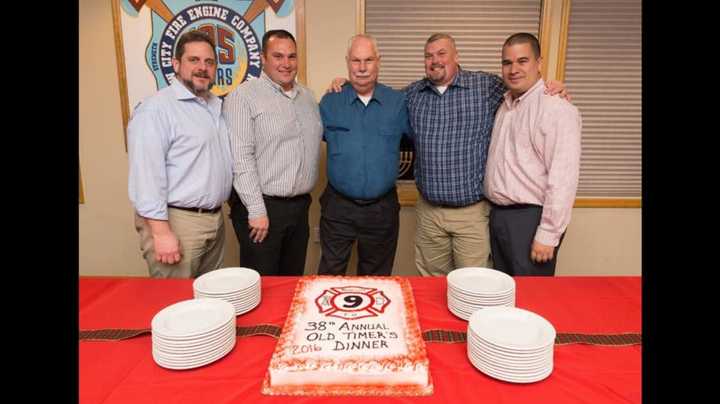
362	202
446	206
197	210
516	206
284	198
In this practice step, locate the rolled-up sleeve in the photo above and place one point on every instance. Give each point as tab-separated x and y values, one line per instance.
149	134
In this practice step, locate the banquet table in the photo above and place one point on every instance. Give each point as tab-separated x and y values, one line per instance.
123	371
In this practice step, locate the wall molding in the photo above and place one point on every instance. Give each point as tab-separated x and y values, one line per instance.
301	45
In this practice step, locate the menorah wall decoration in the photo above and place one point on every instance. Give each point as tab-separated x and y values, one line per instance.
406	162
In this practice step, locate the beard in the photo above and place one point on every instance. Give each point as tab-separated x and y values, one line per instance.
198	90
437	76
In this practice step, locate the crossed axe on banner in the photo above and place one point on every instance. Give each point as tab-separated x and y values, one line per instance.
256	7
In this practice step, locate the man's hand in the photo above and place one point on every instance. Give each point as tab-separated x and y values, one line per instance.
541	253
336	85
165	243
554	87
259	228
167	248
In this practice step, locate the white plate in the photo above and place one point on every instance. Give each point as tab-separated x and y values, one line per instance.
472	297
193	364
231	296
227	296
459	312
508	350
482	281
510	371
200	357
196	339
475	298
513	352
196	355
464	312
195	343
226	280
477	344
238	294
195	352
189	318
511	378
510	364
244	309
513	328
479	305
238	301
505	354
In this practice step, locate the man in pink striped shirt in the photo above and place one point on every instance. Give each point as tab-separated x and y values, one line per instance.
533	165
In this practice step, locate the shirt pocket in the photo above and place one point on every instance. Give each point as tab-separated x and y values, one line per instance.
522	145
390	139
335	136
336	128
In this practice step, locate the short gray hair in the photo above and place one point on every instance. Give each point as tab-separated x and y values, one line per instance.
369	37
438	36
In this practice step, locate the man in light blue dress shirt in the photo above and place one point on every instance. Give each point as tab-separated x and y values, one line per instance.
181	167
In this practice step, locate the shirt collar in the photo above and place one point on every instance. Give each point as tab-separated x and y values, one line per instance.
460	80
278	87
536	87
183	93
352	95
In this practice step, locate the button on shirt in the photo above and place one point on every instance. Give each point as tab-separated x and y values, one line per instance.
535	158
179	153
451	135
275	141
363	142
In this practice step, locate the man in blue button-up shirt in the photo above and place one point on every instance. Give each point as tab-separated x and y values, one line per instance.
363	126
181	167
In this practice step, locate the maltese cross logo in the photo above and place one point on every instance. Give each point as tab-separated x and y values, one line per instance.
352	302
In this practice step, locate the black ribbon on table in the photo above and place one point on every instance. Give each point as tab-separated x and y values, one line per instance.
436	335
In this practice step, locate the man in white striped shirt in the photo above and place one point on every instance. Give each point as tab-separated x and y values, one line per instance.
275	133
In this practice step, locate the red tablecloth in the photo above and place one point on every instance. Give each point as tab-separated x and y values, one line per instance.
124	371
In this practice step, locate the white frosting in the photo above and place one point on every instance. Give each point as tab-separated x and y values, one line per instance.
350	331
417	376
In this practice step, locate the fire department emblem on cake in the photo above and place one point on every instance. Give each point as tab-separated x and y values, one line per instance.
352	302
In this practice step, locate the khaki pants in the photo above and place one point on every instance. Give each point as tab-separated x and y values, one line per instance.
202	242
450	238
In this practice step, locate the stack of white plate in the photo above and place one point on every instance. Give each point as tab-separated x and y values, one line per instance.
511	344
238	286
193	333
473	288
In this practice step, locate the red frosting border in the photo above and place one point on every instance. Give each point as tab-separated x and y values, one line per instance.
414	341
